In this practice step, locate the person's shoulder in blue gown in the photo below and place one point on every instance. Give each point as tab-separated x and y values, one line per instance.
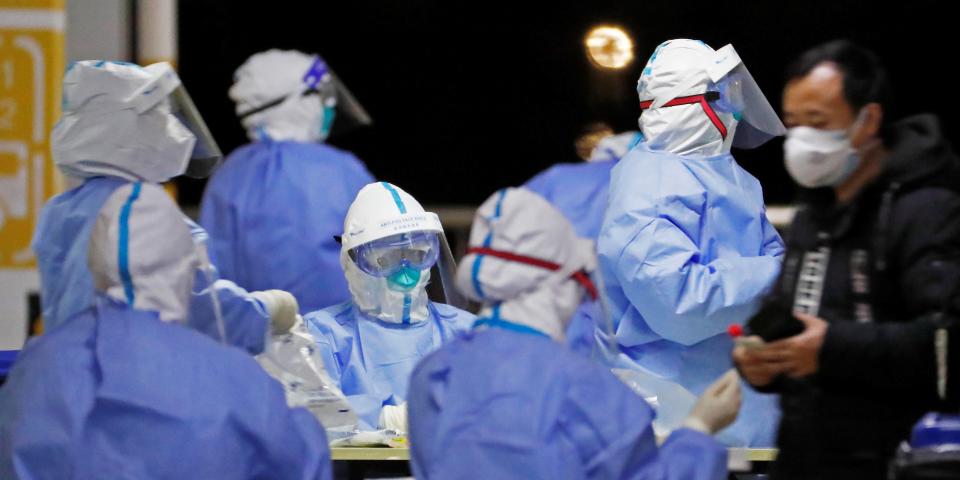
550	414
508	400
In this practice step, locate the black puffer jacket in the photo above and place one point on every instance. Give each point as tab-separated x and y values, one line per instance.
884	271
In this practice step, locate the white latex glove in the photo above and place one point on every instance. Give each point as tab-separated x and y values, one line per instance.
718	406
282	307
393	417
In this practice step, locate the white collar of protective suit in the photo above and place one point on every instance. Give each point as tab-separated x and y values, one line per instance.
646	150
395	225
720	63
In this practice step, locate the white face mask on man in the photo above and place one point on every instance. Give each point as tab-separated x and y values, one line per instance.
821	158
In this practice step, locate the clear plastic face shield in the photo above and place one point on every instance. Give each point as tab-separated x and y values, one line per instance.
739	91
345	113
206	155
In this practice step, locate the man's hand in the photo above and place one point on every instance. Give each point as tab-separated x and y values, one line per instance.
799	355
756	365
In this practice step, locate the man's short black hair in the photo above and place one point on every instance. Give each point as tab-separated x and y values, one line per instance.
864	78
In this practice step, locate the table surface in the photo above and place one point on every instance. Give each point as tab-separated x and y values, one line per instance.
403	454
755	454
370	454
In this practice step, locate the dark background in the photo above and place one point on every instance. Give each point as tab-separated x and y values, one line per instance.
468	97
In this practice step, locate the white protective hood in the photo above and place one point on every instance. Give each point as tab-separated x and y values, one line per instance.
677	119
117	122
519	222
280	74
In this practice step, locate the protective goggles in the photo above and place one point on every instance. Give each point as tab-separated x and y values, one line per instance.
581	277
387	256
703	100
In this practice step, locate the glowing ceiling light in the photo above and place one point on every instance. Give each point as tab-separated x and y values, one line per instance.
609	47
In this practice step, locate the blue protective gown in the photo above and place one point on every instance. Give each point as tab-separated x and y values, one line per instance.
61	242
578	190
114	392
272	211
685	251
371	360
504	404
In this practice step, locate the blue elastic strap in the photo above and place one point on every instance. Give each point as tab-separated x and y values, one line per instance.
123	250
406	309
396	197
475	271
318	70
475	275
509	326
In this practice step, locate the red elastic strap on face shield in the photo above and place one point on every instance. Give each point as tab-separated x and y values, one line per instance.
703	100
580	277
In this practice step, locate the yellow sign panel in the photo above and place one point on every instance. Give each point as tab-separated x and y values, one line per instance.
31	68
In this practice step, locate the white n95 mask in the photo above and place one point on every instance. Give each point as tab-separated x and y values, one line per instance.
819	158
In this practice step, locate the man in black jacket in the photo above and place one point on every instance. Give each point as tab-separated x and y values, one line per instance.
858	329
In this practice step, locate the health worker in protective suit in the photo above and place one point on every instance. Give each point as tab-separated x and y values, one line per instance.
686	249
509	400
579	191
124	129
118	385
273	208
370	344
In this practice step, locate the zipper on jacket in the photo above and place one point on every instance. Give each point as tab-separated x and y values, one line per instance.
883	225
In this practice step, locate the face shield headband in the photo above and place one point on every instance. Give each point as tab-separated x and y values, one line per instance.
315	79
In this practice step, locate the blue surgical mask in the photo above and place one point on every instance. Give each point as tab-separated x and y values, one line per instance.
329	112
